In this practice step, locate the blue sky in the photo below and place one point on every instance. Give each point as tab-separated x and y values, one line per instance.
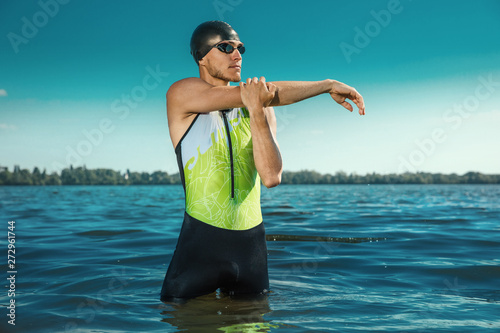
84	82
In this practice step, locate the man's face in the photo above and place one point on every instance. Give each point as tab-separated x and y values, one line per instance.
223	66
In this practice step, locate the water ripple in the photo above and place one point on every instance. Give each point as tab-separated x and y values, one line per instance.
341	258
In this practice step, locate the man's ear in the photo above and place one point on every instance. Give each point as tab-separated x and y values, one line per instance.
202	62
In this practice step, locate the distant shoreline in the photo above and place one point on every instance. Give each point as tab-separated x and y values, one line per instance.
84	176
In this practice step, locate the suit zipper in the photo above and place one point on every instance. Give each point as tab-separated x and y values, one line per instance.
230	153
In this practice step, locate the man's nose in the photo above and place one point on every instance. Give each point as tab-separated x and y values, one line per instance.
236	55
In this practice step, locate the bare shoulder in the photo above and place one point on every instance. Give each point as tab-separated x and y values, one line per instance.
187	82
185	86
180	92
179	118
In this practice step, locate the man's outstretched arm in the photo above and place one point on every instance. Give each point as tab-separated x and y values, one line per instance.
289	92
193	95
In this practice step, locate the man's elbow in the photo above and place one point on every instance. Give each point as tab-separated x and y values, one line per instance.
272	181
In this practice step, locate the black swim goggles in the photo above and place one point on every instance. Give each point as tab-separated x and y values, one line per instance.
228	48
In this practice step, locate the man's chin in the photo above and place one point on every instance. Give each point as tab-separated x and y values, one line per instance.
236	78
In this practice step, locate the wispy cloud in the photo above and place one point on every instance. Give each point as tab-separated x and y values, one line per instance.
3	93
7	127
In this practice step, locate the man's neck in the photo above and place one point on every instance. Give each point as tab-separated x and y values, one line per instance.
213	80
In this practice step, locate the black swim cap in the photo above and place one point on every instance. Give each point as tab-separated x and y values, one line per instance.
207	35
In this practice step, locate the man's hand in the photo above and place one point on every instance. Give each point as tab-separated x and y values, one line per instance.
340	92
256	93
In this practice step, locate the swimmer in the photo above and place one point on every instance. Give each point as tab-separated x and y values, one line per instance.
225	141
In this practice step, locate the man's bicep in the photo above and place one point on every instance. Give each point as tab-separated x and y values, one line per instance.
194	95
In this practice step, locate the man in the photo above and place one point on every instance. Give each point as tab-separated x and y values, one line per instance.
225	141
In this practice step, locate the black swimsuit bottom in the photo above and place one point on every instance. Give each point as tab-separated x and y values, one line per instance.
208	258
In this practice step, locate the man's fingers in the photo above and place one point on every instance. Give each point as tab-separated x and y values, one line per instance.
271	87
358	100
361	106
347	105
257	80
360	103
354	96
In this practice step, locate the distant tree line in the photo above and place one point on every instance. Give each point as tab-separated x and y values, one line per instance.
84	176
313	177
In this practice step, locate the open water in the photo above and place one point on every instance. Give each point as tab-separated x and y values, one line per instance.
383	258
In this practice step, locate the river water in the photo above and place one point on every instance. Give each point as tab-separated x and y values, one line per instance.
348	258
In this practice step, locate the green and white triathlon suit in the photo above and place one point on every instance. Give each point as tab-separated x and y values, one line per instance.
215	158
222	243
